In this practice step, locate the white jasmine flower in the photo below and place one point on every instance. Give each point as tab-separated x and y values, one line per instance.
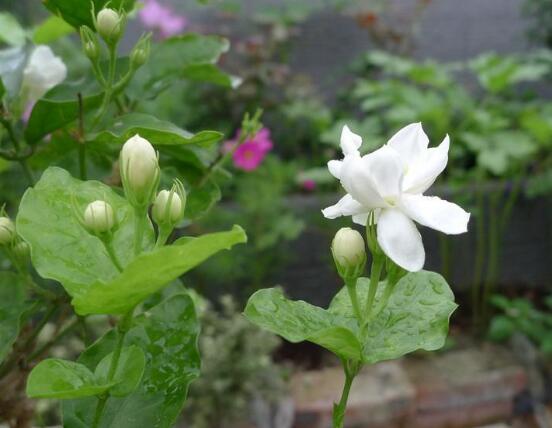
44	70
390	182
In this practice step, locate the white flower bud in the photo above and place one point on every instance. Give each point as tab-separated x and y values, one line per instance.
7	231
109	25
349	252
99	217
139	170
167	208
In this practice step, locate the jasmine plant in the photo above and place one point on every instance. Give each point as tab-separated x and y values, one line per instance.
400	308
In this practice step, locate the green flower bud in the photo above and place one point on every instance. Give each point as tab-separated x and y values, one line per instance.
349	253
109	25
7	231
168	207
90	44
141	51
22	250
139	171
99	217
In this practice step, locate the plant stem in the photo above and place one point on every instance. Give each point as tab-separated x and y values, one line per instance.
17	146
139	221
493	246
164	233
350	283
122	328
375	274
81	140
108	244
108	86
351	369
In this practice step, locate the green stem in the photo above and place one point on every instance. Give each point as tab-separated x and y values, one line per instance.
109	85
139	224
389	287
108	244
493	246
122	328
375	274
17	146
164	233
351	369
350	283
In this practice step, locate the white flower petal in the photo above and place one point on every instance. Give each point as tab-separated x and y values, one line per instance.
423	173
436	213
361	219
410	142
386	171
356	179
350	142
345	206
400	240
335	168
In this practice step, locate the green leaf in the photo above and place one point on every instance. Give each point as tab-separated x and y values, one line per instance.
158	132
128	375
149	272
168	335
415	317
79	12
12	33
61	248
501	328
209	73
60	107
50	30
12	307
55	378
298	321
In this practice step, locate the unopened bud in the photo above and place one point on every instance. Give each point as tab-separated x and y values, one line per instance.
99	217
349	252
109	24
139	171
140	53
90	44
22	251
7	231
169	206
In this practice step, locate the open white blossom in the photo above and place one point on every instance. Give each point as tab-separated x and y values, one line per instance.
43	71
390	182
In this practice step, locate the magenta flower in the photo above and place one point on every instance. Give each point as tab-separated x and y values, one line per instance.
309	185
249	155
162	19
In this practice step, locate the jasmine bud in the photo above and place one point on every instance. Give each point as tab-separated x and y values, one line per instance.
109	25
139	171
90	44
168	208
99	217
7	231
141	51
349	253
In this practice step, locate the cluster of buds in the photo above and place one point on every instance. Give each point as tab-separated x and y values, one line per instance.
349	253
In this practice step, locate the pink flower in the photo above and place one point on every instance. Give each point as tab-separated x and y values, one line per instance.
309	185
162	19
249	155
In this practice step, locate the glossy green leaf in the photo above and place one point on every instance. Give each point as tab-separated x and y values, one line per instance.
61	248
79	12
298	321
415	317
12	307
51	29
158	132
60	107
151	271
55	378
128	375
12	33
168	335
